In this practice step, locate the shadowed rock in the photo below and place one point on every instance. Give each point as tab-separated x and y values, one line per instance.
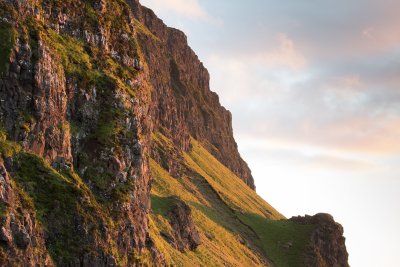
327	245
185	232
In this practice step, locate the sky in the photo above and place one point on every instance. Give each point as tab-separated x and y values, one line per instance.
314	89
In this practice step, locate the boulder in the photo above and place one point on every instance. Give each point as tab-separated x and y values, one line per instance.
185	232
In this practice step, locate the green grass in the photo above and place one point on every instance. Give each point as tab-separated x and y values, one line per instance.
7	41
81	60
92	17
161	205
283	241
73	55
274	232
3	210
58	201
8	148
53	195
61	202
235	193
46	186
107	131
144	30
220	243
231	218
110	125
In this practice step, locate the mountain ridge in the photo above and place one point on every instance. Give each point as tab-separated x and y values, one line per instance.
115	152
208	122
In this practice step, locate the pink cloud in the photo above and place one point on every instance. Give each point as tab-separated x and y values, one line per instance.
187	8
361	135
284	53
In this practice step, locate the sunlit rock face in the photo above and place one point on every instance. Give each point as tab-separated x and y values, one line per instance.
74	95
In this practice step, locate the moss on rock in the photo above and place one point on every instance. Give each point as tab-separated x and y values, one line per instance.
7	37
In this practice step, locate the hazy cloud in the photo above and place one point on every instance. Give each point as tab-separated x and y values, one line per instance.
350	106
190	9
285	54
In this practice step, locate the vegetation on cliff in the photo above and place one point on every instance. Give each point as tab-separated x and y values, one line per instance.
7	37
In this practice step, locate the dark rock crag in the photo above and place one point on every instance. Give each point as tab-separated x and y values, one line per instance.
327	247
186	235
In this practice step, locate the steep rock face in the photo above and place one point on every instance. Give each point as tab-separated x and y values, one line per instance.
327	245
36	100
184	104
20	231
71	94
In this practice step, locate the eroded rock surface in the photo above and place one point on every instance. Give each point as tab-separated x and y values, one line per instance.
186	235
74	95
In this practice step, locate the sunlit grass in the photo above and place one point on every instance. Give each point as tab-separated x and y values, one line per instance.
220	246
234	222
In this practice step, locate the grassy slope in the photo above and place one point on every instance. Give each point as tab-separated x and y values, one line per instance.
242	226
231	188
275	235
219	246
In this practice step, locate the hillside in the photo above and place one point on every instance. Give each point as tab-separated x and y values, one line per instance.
115	152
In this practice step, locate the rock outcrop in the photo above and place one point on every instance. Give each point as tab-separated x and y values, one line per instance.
186	235
327	245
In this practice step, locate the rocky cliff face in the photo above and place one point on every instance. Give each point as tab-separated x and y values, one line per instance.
184	104
99	100
72	95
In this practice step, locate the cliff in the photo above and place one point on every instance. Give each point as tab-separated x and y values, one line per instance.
78	110
114	151
185	106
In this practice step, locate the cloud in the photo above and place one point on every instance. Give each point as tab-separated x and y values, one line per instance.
286	54
337	110
306	157
352	136
187	8
369	33
348	107
279	52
